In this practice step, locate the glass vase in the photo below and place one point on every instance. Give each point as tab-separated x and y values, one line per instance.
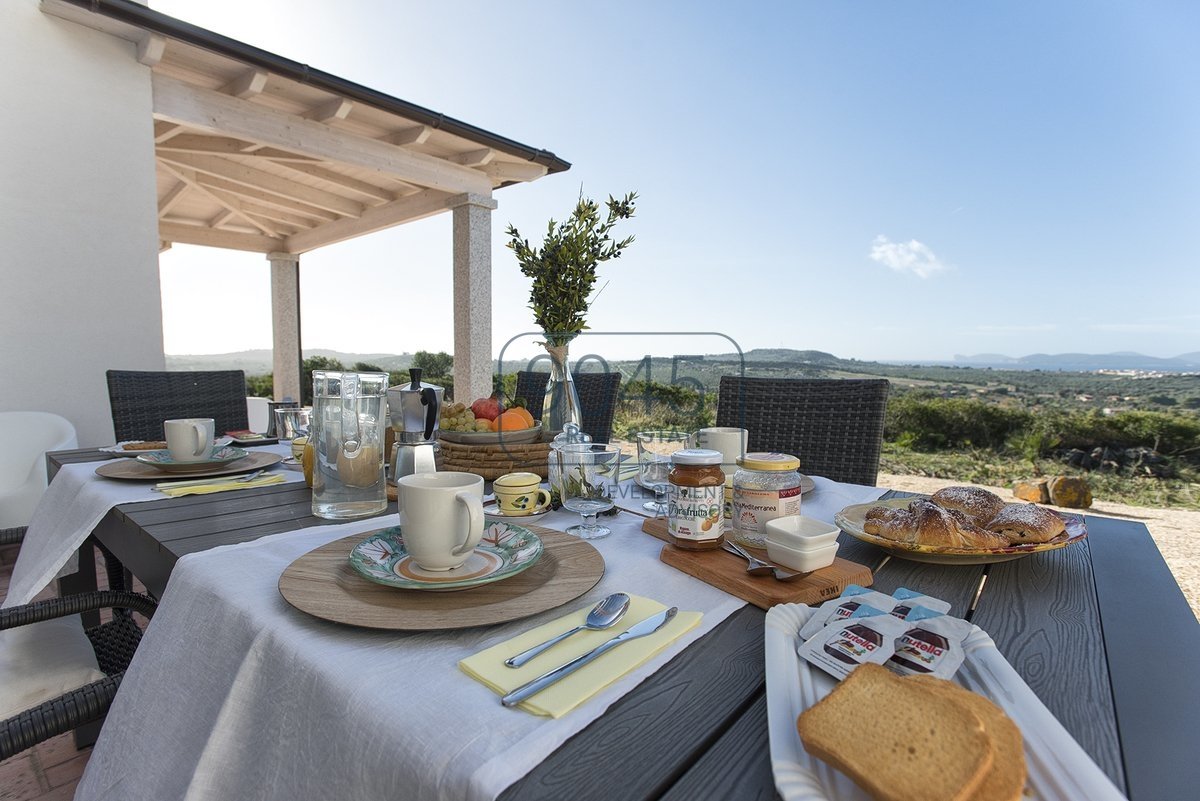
561	403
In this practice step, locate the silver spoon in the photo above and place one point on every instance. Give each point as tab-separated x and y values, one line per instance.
758	567
602	616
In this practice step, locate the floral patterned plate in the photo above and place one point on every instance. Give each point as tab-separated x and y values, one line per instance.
163	461
504	551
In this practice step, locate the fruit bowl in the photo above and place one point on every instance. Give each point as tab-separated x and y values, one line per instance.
517	437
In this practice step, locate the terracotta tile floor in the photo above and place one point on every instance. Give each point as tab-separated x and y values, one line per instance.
48	771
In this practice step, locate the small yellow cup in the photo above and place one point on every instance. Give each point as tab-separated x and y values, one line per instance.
519	494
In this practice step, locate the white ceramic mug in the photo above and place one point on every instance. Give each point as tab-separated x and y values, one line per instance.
731	442
191	439
443	517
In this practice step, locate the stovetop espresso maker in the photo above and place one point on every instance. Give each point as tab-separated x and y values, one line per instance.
413	411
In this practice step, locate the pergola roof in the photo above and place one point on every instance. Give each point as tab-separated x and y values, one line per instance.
256	152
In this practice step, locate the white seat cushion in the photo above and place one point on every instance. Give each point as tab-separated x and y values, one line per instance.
42	661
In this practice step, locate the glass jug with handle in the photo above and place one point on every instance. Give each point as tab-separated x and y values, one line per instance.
347	428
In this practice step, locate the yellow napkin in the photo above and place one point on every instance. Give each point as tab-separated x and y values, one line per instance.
207	489
561	697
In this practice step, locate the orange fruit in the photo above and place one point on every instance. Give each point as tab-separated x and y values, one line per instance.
521	410
512	420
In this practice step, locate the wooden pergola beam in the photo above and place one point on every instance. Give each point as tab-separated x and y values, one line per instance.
376	218
211	111
234	240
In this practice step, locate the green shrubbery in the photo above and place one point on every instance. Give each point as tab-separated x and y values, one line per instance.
929	423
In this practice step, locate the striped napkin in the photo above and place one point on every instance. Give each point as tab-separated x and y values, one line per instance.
219	486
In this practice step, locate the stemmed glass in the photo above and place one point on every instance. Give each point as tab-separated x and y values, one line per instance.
588	474
654	449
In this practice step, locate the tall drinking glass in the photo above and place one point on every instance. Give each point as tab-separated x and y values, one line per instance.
589	473
654	449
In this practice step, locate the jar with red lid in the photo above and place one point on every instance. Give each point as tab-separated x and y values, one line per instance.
695	510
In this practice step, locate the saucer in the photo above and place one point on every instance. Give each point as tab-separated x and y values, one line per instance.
164	461
497	512
504	551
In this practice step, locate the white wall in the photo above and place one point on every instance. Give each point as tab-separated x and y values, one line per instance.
79	289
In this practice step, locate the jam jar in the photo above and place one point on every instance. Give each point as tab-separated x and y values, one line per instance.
765	486
695	519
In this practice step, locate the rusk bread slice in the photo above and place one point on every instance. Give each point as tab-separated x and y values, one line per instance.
1005	781
898	740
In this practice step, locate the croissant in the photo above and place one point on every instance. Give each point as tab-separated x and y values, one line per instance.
979	505
1027	522
925	523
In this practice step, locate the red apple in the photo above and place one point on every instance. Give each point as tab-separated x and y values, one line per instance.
487	408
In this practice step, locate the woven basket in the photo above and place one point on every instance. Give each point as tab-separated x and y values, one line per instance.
493	461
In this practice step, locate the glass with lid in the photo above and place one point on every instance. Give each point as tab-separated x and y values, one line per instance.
765	486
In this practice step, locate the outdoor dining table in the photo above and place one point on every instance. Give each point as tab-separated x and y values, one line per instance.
1100	631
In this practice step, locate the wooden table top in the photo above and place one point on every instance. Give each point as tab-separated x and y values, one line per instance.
1100	631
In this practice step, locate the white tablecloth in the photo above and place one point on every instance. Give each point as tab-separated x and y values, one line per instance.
74	503
234	694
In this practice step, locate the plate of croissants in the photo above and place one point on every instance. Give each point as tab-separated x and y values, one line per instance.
960	525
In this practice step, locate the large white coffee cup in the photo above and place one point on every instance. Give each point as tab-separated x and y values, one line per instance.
442	520
191	439
731	442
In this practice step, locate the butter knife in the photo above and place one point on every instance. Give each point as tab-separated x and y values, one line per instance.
647	626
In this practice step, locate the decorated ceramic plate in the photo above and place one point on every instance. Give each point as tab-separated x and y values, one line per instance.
163	461
851	519
504	551
521	437
136	447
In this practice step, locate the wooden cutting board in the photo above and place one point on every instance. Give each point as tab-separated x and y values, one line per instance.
726	571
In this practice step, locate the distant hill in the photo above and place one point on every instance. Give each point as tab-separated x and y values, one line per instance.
258	362
1081	362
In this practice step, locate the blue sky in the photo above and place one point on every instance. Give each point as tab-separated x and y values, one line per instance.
881	180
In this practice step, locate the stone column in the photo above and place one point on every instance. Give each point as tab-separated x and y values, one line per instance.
285	324
472	295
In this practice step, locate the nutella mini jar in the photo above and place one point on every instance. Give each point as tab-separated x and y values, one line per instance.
695	518
765	486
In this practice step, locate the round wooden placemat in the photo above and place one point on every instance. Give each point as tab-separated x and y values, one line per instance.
133	470
323	584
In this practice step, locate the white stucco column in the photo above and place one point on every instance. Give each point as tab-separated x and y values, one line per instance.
472	295
285	324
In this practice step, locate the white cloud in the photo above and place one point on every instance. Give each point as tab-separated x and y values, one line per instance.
907	257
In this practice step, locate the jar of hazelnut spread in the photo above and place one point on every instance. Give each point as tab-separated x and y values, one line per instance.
695	509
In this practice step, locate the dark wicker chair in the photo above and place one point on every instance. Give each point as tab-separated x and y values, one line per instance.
114	643
141	400
597	399
834	426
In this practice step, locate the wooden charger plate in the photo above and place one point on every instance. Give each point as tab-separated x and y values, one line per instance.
133	470
323	584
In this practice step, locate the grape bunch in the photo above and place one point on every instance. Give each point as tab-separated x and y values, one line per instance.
459	417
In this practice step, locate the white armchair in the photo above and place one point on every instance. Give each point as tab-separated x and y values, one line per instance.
27	436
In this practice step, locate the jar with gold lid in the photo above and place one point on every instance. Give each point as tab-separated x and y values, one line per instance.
695	519
765	486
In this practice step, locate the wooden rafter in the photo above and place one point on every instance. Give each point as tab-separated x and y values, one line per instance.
246	85
190	178
202	143
150	49
336	109
266	198
416	135
234	240
168	201
474	158
164	130
344	181
268	182
414	207
515	171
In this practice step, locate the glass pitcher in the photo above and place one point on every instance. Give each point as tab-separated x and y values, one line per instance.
347	427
